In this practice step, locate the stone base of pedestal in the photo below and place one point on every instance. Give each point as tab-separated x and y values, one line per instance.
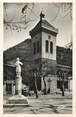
17	100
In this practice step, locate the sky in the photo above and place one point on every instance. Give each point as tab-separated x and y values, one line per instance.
57	16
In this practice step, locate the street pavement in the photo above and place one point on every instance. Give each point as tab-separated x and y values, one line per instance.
45	104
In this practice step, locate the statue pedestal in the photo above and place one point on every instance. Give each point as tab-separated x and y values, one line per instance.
18	100
18	86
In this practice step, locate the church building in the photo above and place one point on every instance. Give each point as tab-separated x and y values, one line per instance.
45	56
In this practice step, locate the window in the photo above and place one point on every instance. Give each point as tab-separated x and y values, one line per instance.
37	46
34	48
47	46
51	47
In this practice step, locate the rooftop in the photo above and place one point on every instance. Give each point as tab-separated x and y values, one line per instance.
43	25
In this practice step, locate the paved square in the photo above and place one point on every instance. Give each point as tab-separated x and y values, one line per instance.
45	104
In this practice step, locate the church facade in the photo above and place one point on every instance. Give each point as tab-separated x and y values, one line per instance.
50	59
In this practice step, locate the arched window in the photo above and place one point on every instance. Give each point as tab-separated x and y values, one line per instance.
51	47
47	46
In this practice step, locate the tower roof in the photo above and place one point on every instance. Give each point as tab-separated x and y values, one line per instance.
44	26
47	24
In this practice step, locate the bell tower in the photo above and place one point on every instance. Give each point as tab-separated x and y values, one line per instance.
44	47
44	40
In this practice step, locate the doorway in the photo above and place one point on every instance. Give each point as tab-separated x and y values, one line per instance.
8	88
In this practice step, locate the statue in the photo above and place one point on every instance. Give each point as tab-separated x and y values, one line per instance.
18	98
18	67
18	77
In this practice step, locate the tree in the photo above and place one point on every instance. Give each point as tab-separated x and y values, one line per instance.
38	71
42	70
35	82
47	69
60	74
